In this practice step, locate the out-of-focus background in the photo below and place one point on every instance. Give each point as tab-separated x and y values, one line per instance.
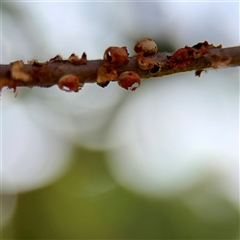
161	162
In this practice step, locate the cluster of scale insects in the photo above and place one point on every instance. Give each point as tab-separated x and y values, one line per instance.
113	58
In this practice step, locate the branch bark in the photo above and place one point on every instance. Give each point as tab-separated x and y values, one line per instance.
47	74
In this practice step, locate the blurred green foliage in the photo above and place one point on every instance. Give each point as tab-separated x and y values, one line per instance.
86	203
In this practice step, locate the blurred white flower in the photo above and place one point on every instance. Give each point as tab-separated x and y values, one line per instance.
166	135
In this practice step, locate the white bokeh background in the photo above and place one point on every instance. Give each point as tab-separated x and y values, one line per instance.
164	137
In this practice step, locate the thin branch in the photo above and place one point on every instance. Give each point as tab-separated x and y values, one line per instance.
47	74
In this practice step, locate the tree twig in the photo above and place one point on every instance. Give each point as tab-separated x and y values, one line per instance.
196	58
